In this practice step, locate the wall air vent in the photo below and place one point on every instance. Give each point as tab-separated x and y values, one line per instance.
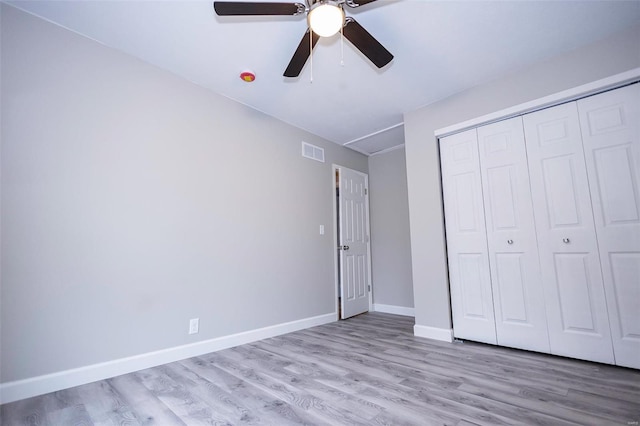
313	152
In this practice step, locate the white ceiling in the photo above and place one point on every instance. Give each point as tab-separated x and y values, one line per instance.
440	47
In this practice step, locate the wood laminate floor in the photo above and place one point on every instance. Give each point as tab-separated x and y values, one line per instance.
368	370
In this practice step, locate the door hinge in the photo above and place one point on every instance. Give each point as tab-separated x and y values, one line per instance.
369	288
366	191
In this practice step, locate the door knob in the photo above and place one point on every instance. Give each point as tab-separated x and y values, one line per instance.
566	240
509	241
343	247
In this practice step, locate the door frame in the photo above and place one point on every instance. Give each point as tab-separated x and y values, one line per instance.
336	267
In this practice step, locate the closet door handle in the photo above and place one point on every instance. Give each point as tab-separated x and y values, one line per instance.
509	241
566	240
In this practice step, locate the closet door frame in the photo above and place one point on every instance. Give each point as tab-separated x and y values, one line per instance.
572	94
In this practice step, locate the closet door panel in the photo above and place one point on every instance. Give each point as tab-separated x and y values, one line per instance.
471	299
510	289
610	132
570	264
559	178
574	286
513	254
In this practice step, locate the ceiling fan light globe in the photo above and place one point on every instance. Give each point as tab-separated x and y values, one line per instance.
326	18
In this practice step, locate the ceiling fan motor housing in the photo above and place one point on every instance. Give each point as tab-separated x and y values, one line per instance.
325	17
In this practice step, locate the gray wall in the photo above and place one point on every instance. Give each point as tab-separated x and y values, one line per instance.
133	200
390	236
614	55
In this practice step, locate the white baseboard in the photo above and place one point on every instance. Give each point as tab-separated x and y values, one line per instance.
392	309
21	389
442	334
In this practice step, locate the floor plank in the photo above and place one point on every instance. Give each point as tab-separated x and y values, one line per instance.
368	370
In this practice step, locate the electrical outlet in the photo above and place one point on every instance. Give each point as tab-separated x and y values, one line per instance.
321	229
194	325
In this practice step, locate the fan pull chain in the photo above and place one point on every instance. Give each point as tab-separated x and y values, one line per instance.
341	46
311	54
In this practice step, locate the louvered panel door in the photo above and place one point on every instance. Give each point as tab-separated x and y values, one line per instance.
513	252
610	135
570	264
470	282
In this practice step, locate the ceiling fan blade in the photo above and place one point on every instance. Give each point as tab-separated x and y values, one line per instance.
365	43
237	8
301	54
357	3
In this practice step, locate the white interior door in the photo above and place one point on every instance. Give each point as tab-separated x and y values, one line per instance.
518	299
353	242
470	282
569	259
610	134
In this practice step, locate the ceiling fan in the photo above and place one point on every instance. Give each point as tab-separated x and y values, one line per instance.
324	18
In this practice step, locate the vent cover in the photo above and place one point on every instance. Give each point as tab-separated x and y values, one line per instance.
313	152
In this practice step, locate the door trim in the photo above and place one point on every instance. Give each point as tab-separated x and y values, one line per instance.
336	269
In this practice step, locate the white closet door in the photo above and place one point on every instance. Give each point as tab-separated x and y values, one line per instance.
513	251
569	259
471	300
610	134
